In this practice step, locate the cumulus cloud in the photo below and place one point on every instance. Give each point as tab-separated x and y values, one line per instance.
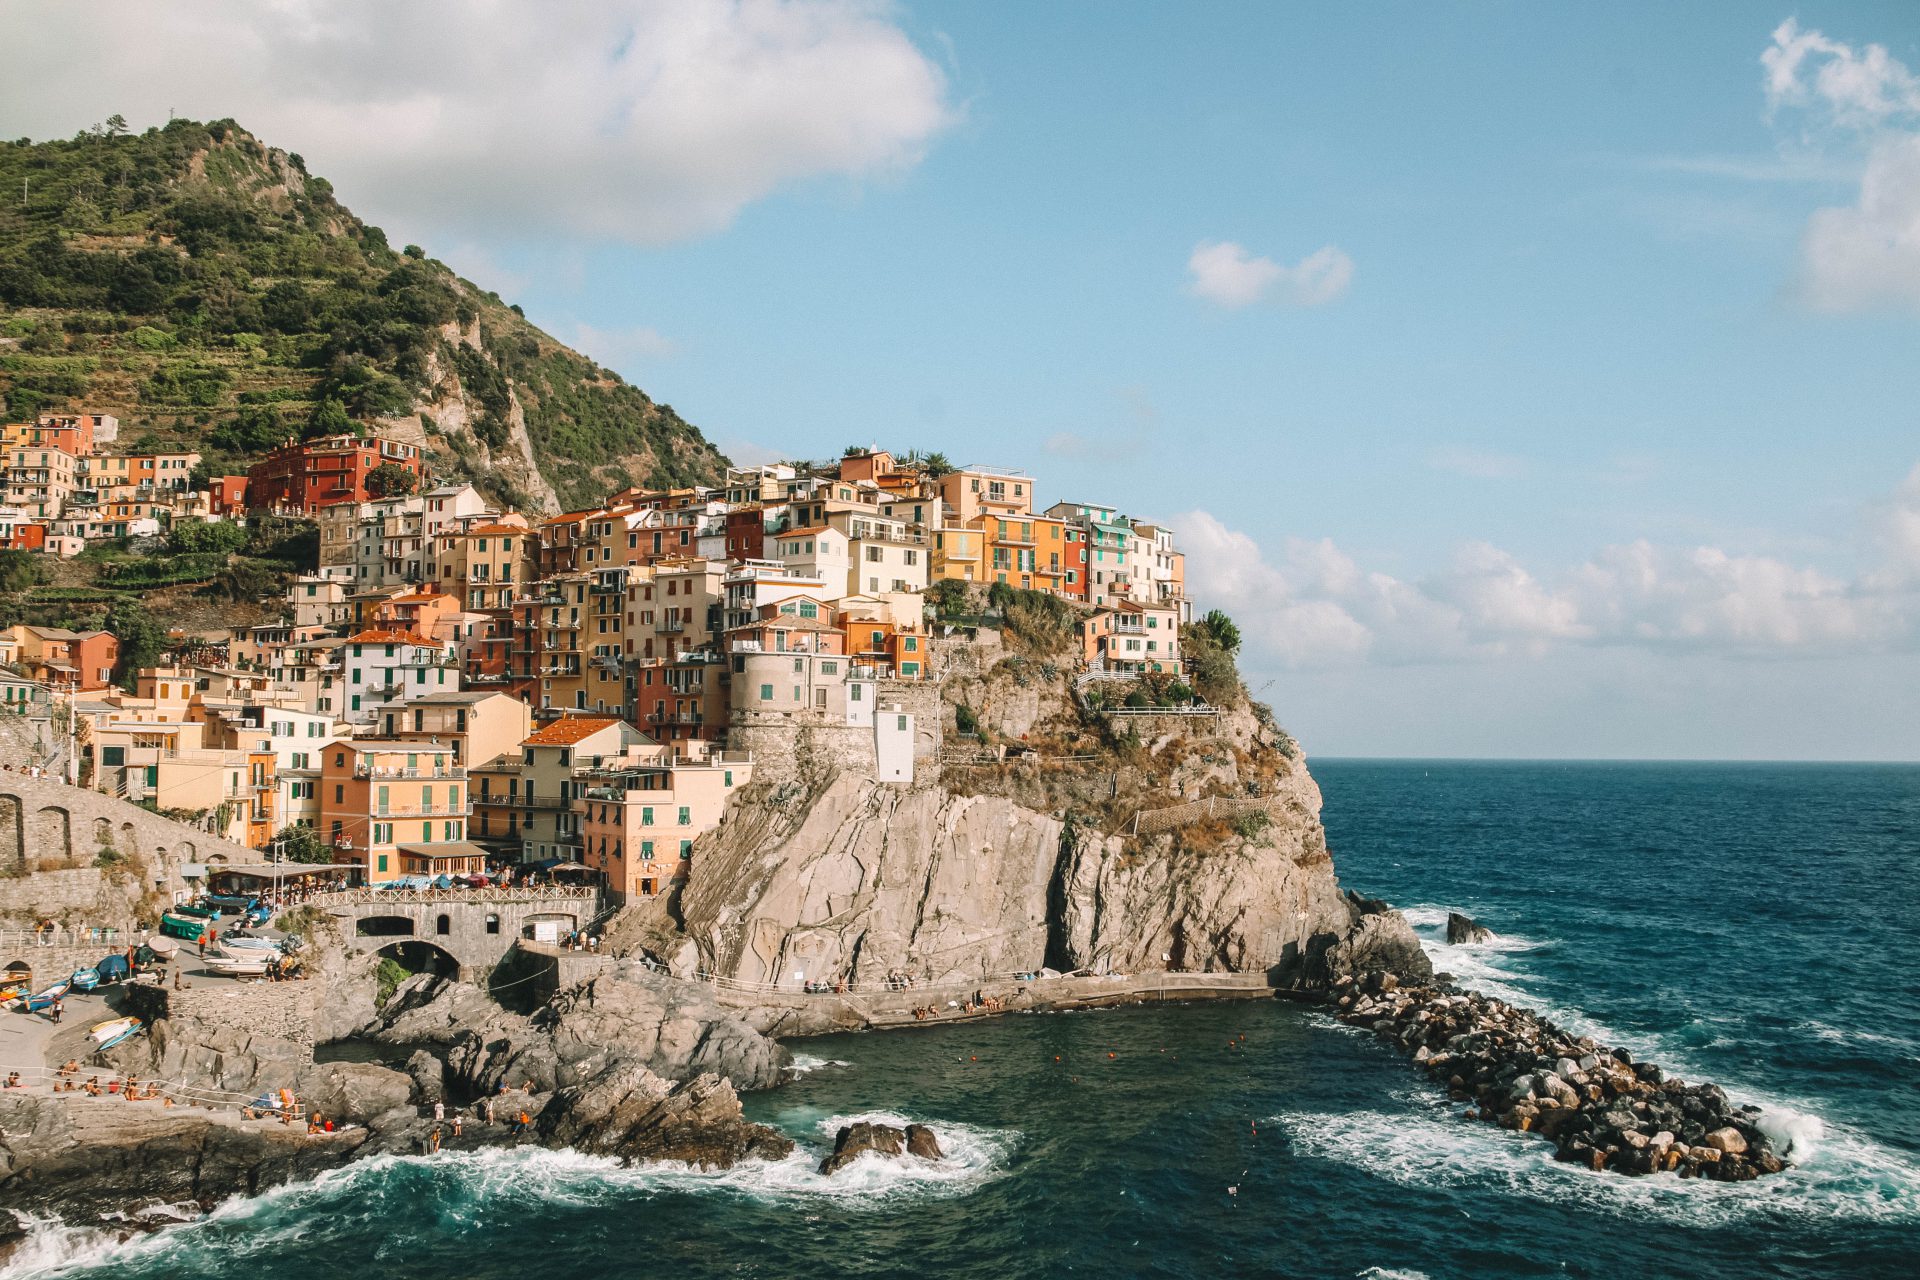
1860	87
1307	603
642	121
1868	254
1226	273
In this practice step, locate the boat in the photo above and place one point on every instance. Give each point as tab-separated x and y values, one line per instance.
45	997
236	966
250	943
107	1034
85	979
162	946
185	927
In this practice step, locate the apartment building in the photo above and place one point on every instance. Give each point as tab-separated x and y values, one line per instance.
641	811
395	808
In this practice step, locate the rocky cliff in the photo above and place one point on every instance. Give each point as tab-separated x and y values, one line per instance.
1068	838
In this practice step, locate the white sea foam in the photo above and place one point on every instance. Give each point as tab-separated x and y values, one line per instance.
972	1156
1843	1177
1391	1273
806	1064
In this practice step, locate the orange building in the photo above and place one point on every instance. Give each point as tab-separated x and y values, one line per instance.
394	808
899	652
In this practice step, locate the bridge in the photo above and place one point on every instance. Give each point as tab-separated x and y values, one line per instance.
460	932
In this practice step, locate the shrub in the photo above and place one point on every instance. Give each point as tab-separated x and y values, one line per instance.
387	979
1251	826
964	720
1136	699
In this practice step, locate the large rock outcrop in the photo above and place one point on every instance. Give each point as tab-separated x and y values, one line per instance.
1182	844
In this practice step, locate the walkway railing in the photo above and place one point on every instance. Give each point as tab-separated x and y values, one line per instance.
377	897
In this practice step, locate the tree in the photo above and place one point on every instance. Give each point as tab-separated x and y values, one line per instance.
329	418
1222	629
142	638
391	480
298	843
116	125
222	537
936	465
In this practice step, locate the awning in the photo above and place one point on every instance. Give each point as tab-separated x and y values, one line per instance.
286	870
451	849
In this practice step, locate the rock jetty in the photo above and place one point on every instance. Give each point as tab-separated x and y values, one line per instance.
1596	1105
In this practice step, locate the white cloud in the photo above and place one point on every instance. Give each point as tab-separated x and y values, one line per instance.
616	348
1309	604
644	121
1224	272
1857	87
1868	254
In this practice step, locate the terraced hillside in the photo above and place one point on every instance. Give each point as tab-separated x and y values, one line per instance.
205	287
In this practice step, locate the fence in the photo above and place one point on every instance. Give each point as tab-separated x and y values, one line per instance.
1152	821
371	897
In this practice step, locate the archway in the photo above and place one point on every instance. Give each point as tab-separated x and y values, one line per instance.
416	956
384	927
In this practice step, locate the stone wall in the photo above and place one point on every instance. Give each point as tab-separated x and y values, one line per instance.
52	837
804	748
476	934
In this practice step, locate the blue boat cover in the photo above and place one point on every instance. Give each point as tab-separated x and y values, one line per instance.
112	968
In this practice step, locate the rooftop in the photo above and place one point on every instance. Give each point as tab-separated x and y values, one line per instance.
566	732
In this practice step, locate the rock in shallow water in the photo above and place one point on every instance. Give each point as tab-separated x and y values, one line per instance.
1463	931
856	1140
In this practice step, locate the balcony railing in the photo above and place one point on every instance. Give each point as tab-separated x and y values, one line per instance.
402	771
424	811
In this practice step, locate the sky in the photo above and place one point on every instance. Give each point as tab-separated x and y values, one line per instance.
1525	380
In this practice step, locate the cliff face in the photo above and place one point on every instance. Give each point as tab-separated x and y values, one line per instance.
986	868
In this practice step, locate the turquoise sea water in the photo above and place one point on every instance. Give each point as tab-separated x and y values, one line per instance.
1754	925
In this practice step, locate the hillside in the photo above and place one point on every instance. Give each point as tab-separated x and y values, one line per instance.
206	288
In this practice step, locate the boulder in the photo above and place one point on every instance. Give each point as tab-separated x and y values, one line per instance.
627	1111
429	1076
922	1142
1462	931
1727	1141
856	1140
352	1091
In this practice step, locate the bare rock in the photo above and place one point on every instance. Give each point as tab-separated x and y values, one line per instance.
856	1140
1463	931
922	1142
1728	1141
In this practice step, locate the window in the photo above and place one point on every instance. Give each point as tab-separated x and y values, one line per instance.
646	851
766	693
493	922
646	816
383	862
686	816
902	725
829	668
112	755
853	692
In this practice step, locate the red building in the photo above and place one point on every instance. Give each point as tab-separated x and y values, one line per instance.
747	533
226	495
309	475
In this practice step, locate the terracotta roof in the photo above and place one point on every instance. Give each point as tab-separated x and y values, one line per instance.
499	528
567	731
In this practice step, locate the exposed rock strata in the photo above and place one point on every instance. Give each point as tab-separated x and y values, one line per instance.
1596	1105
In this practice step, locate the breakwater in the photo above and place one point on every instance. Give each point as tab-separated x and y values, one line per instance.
1595	1103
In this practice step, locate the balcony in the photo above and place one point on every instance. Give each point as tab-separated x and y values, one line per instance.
672	626
424	811
401	771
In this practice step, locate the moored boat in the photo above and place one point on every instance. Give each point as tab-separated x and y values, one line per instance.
250	943
45	997
228	965
185	927
107	1034
85	979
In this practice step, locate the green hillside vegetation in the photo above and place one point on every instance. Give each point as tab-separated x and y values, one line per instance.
209	291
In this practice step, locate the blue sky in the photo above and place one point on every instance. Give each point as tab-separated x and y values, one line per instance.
1497	362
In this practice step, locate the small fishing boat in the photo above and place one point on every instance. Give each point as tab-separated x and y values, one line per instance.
107	1034
250	942
236	966
162	946
188	928
85	979
45	997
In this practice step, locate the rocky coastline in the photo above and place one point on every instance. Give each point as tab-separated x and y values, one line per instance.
1596	1104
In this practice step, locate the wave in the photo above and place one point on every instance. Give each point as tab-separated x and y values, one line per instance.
351	1198
1844	1178
806	1064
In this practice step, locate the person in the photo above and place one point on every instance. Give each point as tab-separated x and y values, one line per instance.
487	1112
72	1067
13	1080
456	1124
313	1123
439	1111
521	1123
434	1138
59	1007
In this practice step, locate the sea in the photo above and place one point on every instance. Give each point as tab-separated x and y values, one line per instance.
1751	924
